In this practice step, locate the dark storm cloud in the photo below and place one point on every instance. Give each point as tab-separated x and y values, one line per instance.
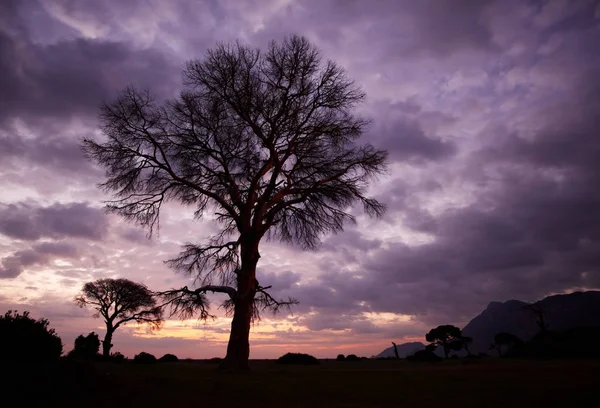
403	27
527	222
71	78
40	254
531	228
31	222
55	154
406	141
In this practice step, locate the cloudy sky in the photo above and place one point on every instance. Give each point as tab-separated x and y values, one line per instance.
490	111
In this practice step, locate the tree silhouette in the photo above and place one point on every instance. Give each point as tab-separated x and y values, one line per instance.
508	340
266	141
396	351
466	342
86	346
23	338
444	336
539	314
120	301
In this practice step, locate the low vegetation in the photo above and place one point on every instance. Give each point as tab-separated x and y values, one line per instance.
23	338
32	372
297	358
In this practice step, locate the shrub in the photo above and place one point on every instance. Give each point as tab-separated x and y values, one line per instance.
117	357
86	347
297	358
424	355
340	357
352	357
25	339
168	358
215	360
144	358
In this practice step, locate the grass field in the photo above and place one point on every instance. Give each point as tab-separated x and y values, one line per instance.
367	383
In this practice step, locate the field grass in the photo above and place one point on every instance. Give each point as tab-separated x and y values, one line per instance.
367	383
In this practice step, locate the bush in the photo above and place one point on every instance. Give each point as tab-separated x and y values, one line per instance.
297	358
86	347
144	358
25	339
340	357
215	360
352	357
168	358
117	357
424	355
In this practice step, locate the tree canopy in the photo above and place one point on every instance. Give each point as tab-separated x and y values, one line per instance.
23	338
120	301
447	336
266	142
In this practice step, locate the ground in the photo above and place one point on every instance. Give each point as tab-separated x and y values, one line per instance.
490	382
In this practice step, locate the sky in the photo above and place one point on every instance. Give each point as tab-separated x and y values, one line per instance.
490	111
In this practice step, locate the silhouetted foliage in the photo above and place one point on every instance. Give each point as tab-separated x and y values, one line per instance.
466	342
117	357
570	343
297	358
86	347
426	355
23	338
540	318
120	301
340	357
168	358
215	360
431	347
352	357
267	141
144	358
506	341
445	336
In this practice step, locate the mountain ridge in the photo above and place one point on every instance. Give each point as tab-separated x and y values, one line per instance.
560	312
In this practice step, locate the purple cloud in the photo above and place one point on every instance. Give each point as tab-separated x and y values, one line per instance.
488	109
29	222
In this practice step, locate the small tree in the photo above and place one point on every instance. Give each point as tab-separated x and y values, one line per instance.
86	346
444	336
506	340
120	301
466	342
23	338
396	351
267	141
537	310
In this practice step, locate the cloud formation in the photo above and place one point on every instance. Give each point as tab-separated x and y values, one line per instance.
489	110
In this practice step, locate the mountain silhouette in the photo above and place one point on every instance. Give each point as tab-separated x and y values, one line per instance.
560	312
405	349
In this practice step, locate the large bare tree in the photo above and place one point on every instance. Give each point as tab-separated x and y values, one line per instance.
266	141
120	301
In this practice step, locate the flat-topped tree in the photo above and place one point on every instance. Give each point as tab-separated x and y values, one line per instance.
120	301
447	336
265	141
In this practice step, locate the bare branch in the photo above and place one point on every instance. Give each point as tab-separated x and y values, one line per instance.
186	303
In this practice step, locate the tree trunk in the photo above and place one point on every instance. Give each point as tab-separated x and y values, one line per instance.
238	348
107	343
396	351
